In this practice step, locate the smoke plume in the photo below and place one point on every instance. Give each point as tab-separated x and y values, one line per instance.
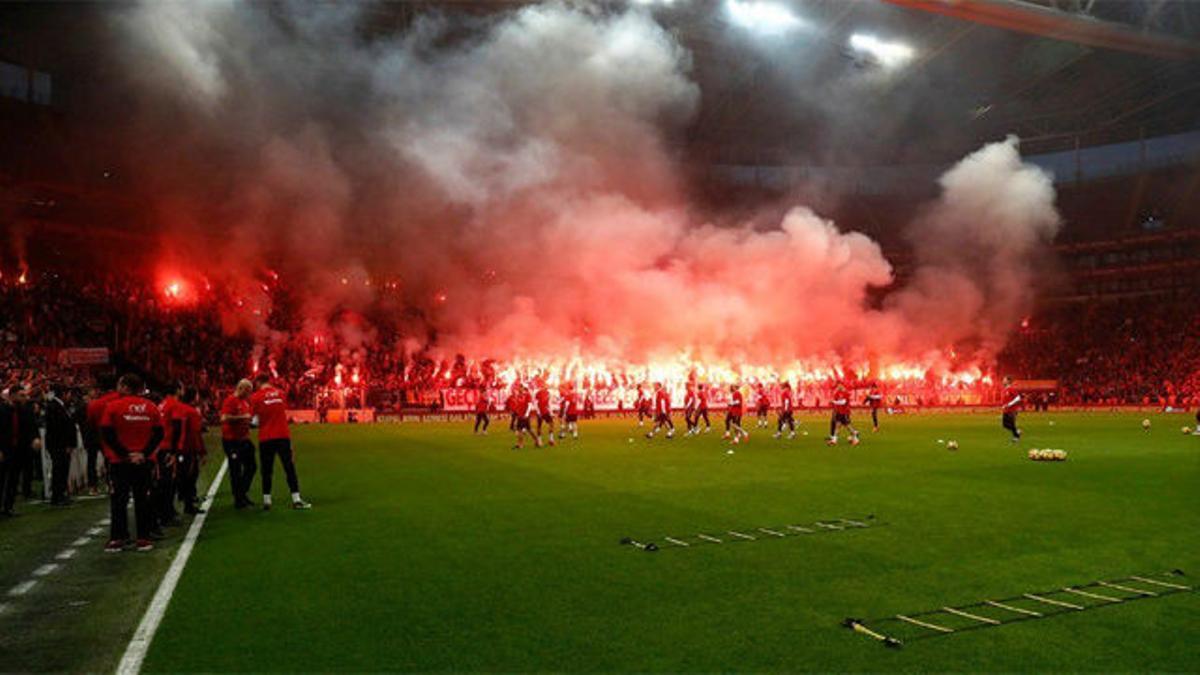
514	176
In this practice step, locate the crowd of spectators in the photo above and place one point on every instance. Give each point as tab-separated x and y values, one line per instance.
1143	351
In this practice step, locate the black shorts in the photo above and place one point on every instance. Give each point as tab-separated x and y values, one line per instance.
785	415
763	410
572	417
841	418
662	417
522	423
1008	421
734	418
545	418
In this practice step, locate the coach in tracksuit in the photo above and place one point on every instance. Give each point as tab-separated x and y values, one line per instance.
274	440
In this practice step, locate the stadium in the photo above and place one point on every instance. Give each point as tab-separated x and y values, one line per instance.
600	335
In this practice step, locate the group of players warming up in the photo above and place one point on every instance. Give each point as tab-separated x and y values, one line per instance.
154	451
530	412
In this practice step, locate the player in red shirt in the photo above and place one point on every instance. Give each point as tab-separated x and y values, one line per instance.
94	411
510	406
733	416
641	404
544	415
483	405
702	409
1013	403
689	409
874	399
786	412
274	440
163	493
235	441
523	408
762	402
185	431
841	415
662	412
132	429
571	412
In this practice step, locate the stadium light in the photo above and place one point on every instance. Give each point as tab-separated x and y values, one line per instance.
763	17
887	54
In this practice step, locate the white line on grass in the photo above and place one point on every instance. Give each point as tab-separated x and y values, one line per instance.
48	568
139	644
22	588
82	541
67	554
95	531
3	608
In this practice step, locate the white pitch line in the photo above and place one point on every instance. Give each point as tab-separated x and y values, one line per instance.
1010	608
67	554
95	531
739	534
1136	591
1051	601
854	522
1162	583
105	521
22	588
1085	594
45	570
918	622
82	541
139	644
829	527
771	532
797	528
974	617
675	541
705	537
3	608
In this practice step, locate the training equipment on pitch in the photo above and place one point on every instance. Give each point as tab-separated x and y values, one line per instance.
648	547
1048	455
951	445
1146	424
897	630
747	534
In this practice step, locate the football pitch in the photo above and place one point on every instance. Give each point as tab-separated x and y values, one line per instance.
433	549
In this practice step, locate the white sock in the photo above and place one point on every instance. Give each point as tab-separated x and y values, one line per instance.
296	497
266	500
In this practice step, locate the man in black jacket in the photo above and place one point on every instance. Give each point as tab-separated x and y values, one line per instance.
29	441
9	470
61	439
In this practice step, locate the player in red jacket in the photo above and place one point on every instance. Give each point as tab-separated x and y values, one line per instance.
874	400
483	405
762	405
545	415
523	409
235	441
571	412
93	412
689	408
841	415
132	429
163	493
702	409
786	416
733	416
662	412
185	430
274	440
642	404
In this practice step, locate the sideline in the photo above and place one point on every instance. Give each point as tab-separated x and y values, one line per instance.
139	644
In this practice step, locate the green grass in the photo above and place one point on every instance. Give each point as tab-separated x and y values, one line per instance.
432	549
